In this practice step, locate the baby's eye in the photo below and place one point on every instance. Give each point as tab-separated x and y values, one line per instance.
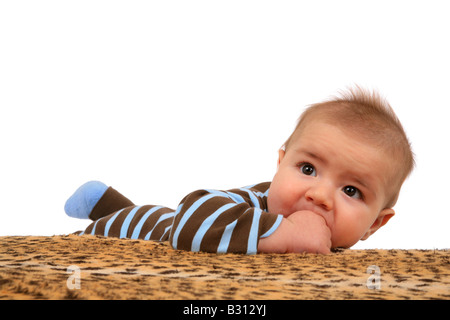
308	169
352	192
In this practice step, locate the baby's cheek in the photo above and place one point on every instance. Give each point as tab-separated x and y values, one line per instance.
289	205
274	204
346	235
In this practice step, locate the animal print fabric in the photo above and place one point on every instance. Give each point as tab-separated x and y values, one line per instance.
111	268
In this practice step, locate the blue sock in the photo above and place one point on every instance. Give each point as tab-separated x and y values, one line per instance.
81	203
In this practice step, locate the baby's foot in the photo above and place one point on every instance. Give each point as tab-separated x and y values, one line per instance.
81	203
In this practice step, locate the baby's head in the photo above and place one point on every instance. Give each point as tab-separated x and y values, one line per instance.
346	160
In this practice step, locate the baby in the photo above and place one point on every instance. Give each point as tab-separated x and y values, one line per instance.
339	175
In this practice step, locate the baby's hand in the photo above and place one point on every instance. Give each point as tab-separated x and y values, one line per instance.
311	233
302	231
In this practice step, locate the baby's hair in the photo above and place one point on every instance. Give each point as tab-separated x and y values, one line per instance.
369	116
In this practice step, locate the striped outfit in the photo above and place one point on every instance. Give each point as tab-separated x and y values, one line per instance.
205	220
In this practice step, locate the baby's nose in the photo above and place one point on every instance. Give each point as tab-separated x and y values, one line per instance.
320	196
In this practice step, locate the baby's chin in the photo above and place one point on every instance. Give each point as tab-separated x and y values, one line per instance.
339	243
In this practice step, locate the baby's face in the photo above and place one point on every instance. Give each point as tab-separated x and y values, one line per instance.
336	175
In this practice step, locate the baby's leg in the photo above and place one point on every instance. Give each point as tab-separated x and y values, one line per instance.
135	222
116	216
111	201
94	200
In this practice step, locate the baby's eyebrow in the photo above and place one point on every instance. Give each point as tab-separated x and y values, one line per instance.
362	183
366	185
313	155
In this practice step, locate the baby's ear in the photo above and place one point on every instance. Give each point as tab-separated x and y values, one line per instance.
384	216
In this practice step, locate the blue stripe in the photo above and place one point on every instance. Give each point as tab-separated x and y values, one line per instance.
226	236
110	222
236	197
137	229
254	194
93	229
230	195
207	223
163	217
253	198
252	245
165	231
274	227
219	193
260	194
186	217
176	212
126	223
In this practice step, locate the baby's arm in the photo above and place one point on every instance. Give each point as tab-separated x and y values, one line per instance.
302	231
230	221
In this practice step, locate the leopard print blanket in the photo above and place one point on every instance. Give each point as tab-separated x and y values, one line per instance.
93	267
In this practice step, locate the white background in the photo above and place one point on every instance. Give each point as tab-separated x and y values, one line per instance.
159	98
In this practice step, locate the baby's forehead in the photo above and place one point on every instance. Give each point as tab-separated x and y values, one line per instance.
356	153
361	134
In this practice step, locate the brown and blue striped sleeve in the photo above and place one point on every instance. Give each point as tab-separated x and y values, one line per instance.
223	221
